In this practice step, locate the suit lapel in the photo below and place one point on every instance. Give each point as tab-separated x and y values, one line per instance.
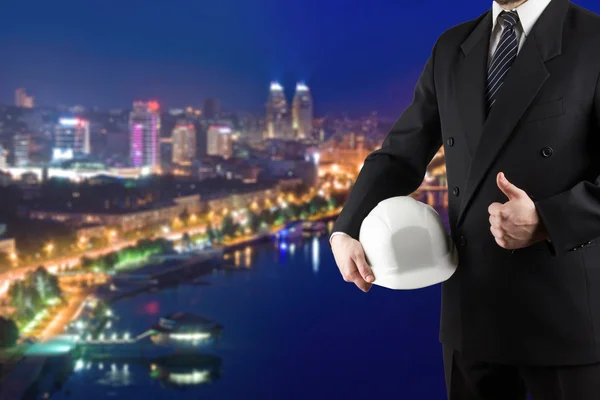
521	85
471	80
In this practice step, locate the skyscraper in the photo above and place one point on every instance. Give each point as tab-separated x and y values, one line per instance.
278	121
212	108
71	139
219	141
184	143
302	111
22	100
144	127
21	150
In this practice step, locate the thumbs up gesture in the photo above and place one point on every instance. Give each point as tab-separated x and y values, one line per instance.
516	223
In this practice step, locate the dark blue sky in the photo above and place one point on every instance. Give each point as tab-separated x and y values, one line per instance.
355	55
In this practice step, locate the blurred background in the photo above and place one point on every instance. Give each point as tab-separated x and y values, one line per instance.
169	176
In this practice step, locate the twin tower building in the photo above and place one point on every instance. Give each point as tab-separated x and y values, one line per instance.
283	123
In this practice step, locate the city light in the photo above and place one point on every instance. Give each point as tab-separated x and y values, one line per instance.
194	378
316	157
68	121
153	106
301	87
189	336
276	87
49	248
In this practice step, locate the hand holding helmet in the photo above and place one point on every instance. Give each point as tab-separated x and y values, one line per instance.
350	259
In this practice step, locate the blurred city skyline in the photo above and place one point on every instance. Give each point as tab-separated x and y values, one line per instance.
356	57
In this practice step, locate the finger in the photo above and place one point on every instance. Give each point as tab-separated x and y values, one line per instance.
502	243
363	267
497	232
509	189
362	285
494	208
352	274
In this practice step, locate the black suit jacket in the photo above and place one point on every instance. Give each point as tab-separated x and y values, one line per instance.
537	305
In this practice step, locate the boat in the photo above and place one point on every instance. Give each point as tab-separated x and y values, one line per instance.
185	330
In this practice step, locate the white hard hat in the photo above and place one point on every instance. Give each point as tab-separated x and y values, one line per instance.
407	245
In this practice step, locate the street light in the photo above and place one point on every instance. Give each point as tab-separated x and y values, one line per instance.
49	248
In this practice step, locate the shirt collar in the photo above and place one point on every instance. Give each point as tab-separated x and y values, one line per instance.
529	12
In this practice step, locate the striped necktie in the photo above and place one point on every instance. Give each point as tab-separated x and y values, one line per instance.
503	57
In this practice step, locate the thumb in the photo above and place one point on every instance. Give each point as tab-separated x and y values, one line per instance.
509	189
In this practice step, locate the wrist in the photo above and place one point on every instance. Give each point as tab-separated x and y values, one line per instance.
336	238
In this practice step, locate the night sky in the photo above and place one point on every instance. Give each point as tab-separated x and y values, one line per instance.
356	56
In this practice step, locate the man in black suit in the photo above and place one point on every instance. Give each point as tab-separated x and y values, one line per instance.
514	98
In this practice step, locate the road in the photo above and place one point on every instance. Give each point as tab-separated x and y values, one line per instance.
52	266
64	316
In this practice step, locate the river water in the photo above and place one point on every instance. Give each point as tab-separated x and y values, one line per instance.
293	329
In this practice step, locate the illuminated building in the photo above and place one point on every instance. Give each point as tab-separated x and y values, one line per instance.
278	123
71	139
21	150
22	100
302	112
125	220
219	141
183	142
3	154
345	156
144	127
212	109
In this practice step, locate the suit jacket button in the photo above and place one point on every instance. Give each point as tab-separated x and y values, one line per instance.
462	241
547	152
450	141
455	191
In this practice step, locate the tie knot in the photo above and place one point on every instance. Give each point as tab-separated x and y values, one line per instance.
510	18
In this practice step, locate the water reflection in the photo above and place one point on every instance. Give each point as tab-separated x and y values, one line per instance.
186	370
116	376
316	250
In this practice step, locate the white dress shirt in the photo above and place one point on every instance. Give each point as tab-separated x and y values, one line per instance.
529	12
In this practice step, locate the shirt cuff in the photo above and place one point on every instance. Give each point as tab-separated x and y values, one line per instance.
336	233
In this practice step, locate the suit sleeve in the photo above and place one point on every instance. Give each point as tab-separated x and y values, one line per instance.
399	166
572	218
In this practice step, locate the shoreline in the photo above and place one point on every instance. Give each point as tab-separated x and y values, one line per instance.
32	374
